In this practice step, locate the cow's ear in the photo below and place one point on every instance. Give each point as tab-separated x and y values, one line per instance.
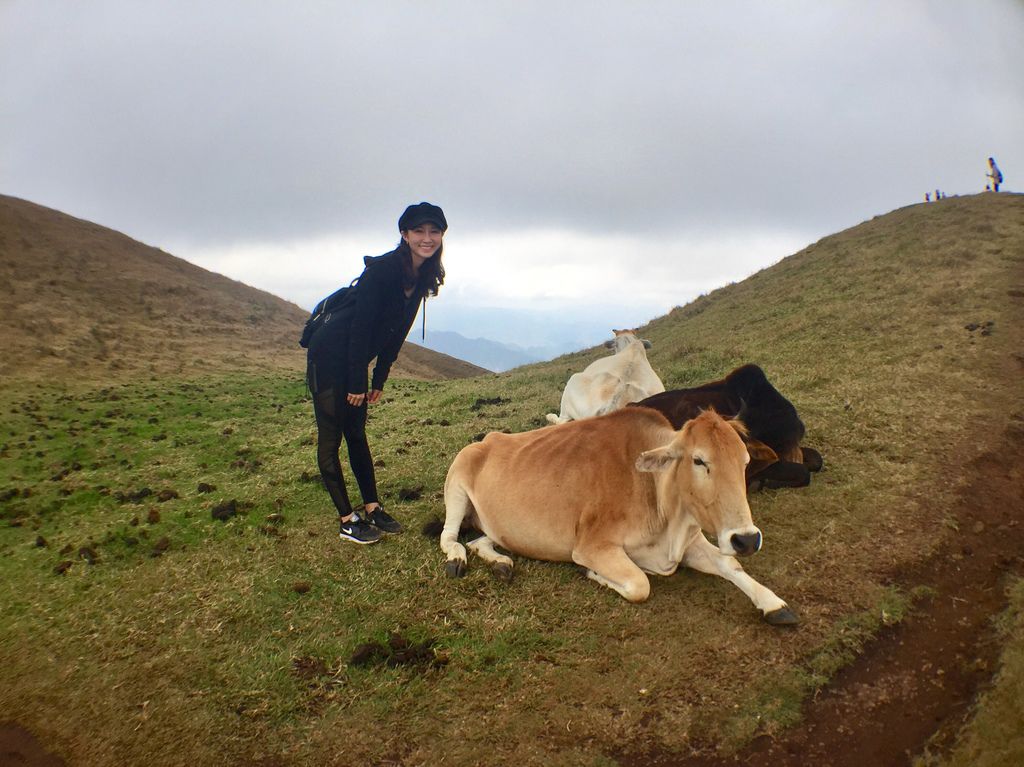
646	343
609	344
759	451
737	423
659	459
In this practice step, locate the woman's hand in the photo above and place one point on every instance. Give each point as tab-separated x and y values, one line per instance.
357	399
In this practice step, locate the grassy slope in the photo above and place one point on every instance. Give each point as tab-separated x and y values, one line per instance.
84	301
199	654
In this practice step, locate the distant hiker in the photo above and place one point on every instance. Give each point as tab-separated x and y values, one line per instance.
995	174
927	197
372	321
937	194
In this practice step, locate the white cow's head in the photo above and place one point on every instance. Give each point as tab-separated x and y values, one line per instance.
624	338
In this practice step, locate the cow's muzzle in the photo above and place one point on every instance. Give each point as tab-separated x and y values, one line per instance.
745	544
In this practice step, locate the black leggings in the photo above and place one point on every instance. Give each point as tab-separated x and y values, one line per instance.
336	418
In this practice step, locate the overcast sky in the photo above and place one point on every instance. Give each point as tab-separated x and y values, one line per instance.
604	160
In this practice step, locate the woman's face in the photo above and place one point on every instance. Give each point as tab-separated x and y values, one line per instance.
423	240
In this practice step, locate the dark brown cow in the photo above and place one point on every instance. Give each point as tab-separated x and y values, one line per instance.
770	418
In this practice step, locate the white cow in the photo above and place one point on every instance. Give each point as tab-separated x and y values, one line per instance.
611	382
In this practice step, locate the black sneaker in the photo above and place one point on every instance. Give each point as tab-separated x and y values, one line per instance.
358	531
382	520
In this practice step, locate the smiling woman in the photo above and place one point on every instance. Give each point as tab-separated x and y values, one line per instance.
372	322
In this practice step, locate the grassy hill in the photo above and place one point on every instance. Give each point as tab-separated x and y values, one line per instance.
84	302
173	589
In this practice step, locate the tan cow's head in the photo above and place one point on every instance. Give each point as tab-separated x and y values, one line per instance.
702	472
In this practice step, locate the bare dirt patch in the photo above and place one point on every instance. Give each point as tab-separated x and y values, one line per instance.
18	746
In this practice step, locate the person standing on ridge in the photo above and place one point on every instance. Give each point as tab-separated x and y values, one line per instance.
372	321
995	174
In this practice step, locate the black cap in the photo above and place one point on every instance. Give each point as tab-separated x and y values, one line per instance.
420	214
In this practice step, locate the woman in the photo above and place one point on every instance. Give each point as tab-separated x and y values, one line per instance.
372	321
995	174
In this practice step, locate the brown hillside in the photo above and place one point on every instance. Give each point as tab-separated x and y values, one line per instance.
83	301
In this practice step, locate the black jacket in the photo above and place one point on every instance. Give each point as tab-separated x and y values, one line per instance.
373	323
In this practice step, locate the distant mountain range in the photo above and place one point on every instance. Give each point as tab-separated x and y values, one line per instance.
490	354
504	337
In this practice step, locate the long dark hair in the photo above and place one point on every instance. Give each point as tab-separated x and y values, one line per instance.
431	276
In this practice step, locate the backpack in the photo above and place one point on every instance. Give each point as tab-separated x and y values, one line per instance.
999	175
322	312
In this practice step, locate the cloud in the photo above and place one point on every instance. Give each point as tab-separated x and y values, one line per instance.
542	269
581	149
224	120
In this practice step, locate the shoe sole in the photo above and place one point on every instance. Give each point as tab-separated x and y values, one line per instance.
357	540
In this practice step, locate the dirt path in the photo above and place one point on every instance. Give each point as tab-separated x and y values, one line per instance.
917	680
19	747
914	684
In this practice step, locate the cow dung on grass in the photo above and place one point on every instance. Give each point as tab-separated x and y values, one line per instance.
225	510
399	651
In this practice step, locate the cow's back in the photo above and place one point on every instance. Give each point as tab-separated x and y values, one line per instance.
746	392
767	413
530	490
682	405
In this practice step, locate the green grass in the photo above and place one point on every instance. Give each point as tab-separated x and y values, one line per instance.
206	652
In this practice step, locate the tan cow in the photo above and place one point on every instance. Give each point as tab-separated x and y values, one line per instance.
611	382
622	494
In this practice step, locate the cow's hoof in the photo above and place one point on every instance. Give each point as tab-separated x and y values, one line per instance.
455	568
502	571
781	617
812	459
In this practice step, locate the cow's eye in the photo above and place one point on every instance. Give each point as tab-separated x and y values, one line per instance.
699	462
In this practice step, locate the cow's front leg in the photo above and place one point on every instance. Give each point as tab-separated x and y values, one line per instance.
610	566
706	558
501	566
